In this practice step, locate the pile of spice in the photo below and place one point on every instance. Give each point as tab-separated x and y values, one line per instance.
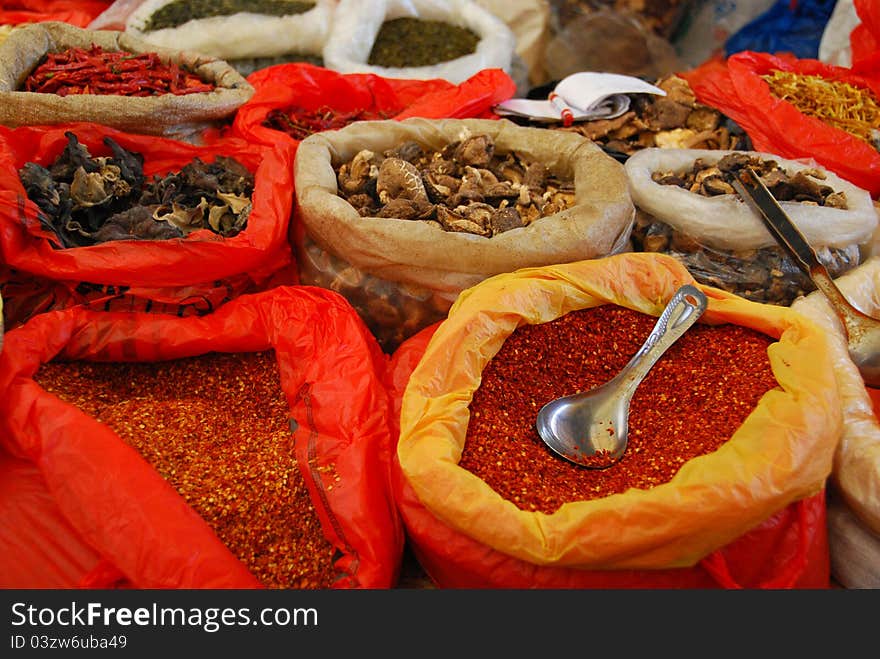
838	104
299	122
179	12
96	71
690	403
464	187
406	42
216	427
86	201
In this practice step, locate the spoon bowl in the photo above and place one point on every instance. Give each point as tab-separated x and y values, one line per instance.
591	428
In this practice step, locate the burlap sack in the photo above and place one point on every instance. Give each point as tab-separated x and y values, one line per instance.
436	263
168	115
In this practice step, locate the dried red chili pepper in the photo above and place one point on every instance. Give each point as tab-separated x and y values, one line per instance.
299	123
689	404
216	427
96	71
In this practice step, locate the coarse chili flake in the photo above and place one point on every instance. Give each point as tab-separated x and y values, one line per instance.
96	71
690	403
299	123
216	427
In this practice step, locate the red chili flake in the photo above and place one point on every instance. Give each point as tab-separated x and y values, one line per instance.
299	123
690	403
96	71
216	427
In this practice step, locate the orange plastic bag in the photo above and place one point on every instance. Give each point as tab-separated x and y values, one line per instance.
312	87
178	272
735	87
87	482
764	488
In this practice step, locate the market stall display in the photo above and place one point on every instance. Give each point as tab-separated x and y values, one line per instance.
180	115
403	275
283	286
135	220
145	461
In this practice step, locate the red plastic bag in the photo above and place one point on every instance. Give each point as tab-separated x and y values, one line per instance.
75	12
777	126
180	272
86	485
788	550
865	37
311	87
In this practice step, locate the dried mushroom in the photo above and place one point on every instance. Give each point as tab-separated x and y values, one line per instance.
674	121
767	275
86	201
464	187
710	180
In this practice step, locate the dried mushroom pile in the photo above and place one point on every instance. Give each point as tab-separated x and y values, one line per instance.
464	187
710	180
674	121
85	200
765	275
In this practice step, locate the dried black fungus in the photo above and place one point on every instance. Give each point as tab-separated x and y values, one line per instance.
85	200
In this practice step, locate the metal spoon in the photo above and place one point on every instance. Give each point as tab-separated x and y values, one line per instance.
862	331
590	428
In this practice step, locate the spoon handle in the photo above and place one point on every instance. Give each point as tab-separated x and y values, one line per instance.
682	311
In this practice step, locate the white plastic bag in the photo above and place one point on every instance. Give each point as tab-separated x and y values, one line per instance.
356	24
240	35
727	222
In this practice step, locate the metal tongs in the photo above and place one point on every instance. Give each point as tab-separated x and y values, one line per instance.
862	331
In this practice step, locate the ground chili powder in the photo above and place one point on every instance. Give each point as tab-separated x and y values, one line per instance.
690	403
216	427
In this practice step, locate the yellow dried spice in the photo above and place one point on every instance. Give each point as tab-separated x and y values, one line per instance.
839	104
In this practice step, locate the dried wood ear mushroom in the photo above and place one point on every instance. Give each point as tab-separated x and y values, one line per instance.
467	186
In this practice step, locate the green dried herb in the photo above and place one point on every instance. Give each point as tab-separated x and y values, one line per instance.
181	11
403	42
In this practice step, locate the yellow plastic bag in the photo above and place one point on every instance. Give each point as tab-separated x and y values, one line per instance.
782	453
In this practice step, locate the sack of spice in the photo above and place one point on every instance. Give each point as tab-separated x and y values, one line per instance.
402	273
236	450
855	481
129	105
417	39
248	34
752	381
141	221
687	208
293	101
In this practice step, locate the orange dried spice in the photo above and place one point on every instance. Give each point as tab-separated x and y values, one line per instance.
838	104
690	403
216	427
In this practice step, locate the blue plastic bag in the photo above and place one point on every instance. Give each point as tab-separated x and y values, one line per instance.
793	26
